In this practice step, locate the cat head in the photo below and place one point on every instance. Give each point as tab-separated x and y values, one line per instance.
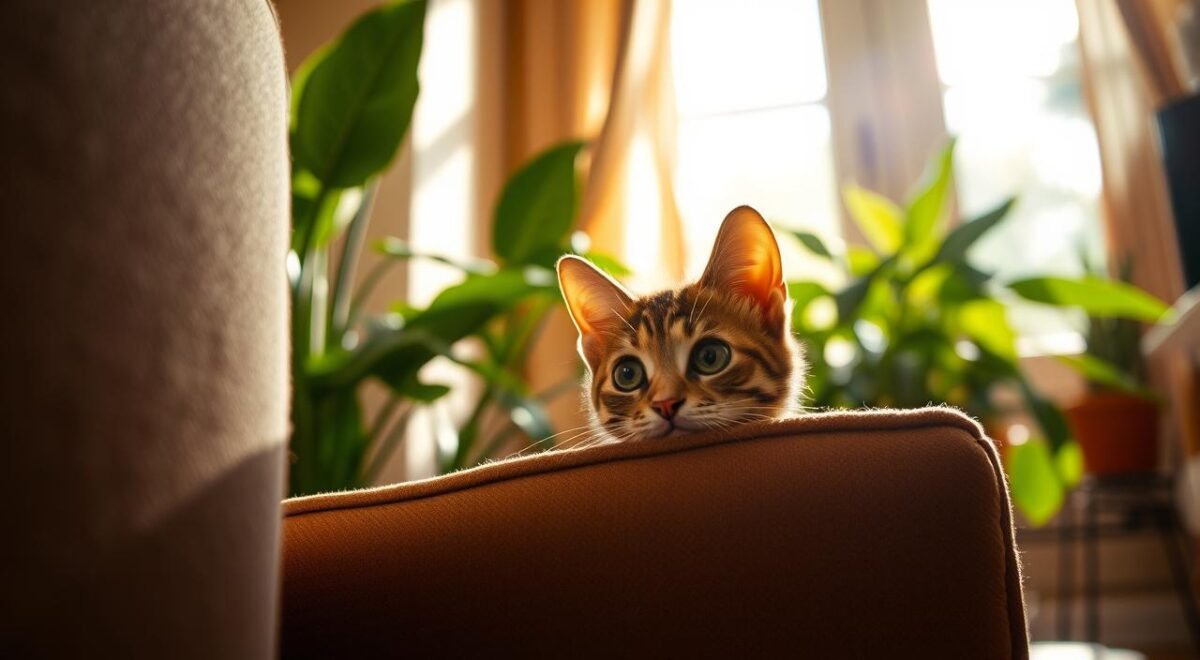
705	356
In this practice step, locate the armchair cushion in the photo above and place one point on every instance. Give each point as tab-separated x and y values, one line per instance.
863	534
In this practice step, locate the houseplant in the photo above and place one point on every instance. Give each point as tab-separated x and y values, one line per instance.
916	324
352	101
1116	420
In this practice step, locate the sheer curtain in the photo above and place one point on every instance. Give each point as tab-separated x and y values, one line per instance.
1123	96
554	70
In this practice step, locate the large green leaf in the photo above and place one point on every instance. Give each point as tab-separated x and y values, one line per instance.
396	354
955	247
1095	295
986	322
803	292
1106	374
810	241
459	311
396	248
879	219
1048	416
607	263
1068	461
860	260
928	205
850	299
537	207
356	98
1036	487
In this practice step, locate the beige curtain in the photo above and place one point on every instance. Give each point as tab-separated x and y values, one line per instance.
1137	210
1129	71
600	71
1148	24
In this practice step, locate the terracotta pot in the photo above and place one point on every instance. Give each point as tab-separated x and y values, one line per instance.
1117	432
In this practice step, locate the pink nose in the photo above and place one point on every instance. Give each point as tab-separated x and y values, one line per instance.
667	407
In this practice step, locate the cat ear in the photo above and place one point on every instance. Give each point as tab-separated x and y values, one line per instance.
745	259
596	303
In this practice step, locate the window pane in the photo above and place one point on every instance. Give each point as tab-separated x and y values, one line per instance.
988	39
1014	100
732	56
778	161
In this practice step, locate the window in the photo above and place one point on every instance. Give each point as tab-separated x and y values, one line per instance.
757	111
753	125
1019	114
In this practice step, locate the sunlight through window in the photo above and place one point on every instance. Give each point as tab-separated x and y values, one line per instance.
753	127
1013	96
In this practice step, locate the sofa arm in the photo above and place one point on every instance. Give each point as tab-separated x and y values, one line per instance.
866	534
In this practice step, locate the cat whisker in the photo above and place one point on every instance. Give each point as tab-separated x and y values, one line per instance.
623	320
584	428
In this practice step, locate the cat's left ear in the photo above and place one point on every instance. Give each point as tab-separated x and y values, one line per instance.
745	259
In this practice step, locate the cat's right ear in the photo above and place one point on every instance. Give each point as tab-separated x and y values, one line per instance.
596	302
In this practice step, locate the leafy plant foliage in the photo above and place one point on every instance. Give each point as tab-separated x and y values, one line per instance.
352	104
918	324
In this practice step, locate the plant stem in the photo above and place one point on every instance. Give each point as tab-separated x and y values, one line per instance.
382	418
368	285
497	442
351	251
386	447
318	265
549	394
469	430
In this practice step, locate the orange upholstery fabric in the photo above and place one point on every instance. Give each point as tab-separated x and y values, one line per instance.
143	395
866	534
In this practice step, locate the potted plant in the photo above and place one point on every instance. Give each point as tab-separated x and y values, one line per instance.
916	323
1116	421
351	104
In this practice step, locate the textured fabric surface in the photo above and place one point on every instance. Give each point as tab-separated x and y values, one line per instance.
868	534
145	375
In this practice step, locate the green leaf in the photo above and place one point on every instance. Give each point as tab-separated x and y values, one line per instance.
804	293
860	260
608	264
528	414
878	218
459	311
1069	462
986	321
342	441
1105	374
396	248
424	392
1036	488
356	97
927	206
955	247
1095	295
851	298
1048	416
810	241
537	207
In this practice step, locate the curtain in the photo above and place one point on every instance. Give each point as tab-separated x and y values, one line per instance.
1129	71
1137	210
554	70
1147	23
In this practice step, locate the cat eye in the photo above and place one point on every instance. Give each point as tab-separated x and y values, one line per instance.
629	374
710	356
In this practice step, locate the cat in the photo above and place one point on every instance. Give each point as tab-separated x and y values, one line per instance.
705	356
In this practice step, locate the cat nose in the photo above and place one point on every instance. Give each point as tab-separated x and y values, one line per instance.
667	407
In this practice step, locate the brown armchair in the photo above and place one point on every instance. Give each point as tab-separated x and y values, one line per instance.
869	534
